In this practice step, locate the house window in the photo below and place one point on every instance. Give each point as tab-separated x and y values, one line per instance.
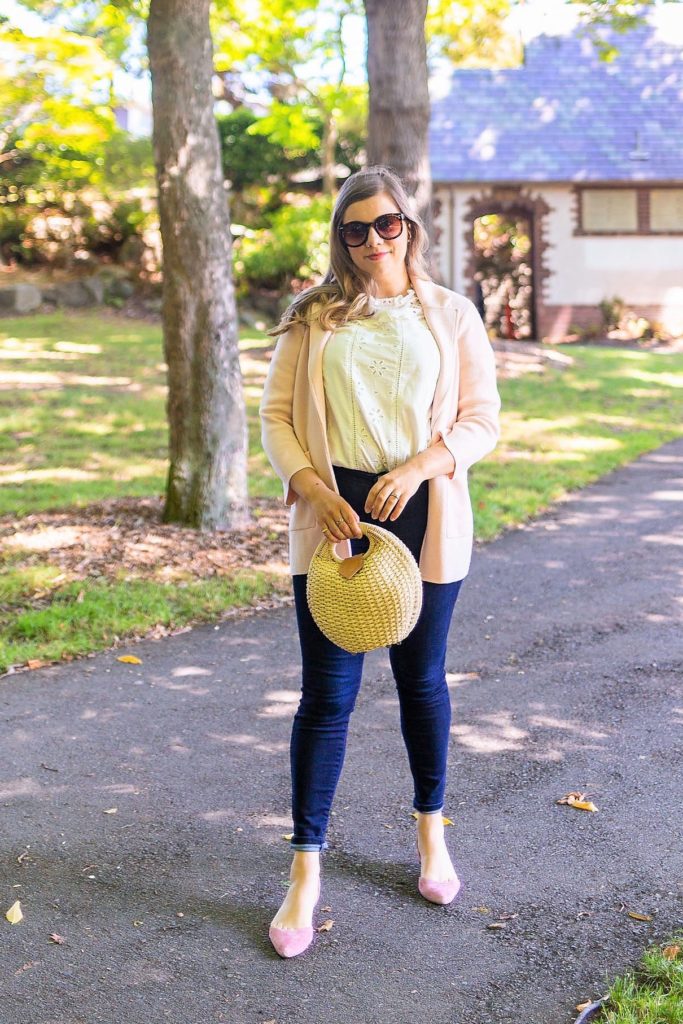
666	209
609	210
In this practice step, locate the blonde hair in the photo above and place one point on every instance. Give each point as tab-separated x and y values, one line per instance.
344	291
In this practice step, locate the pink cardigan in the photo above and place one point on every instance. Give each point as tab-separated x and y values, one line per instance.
464	414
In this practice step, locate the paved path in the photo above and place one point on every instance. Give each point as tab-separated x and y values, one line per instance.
565	663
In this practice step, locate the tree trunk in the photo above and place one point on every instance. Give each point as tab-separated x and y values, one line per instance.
207	478
398	123
330	136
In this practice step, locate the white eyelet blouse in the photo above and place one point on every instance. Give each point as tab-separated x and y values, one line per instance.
379	376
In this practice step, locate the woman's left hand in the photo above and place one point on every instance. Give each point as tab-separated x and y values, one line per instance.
389	495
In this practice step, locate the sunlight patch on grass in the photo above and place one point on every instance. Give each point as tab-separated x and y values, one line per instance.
51	380
102	469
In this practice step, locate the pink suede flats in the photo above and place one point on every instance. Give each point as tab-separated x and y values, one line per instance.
437	892
292	941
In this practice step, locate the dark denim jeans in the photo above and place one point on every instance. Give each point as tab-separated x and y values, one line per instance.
331	680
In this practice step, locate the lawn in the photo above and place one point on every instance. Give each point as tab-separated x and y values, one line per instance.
82	421
651	994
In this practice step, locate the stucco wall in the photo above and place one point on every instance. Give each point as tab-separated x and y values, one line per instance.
573	273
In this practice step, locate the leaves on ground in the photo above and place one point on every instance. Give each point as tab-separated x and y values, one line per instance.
129	659
577	800
14	914
325	926
58	939
639	917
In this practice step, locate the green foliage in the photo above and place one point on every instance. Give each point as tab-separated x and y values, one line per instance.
293	245
127	162
54	98
472	34
14	219
251	157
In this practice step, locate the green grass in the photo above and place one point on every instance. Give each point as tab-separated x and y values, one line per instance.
652	994
82	412
82	418
566	428
90	616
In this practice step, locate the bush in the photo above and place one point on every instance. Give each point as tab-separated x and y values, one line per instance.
14	219
293	245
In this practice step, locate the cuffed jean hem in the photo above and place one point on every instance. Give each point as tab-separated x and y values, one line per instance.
428	810
309	847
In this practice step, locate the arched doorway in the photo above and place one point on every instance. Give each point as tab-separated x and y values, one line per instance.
503	273
504	269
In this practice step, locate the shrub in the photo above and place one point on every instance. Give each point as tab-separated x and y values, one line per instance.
293	245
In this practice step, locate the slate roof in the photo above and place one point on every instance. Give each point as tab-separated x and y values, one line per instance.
565	115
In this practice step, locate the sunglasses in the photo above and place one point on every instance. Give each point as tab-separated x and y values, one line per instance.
355	233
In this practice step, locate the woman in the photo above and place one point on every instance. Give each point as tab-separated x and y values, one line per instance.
380	395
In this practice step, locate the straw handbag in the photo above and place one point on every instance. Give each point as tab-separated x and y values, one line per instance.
368	600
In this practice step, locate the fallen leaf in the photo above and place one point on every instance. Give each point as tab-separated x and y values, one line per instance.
577	800
36	663
26	967
325	926
639	917
583	1006
136	924
507	917
14	914
583	805
287	835
110	810
671	952
59	939
495	925
129	659
327	910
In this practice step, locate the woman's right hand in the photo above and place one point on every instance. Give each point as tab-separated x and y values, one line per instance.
335	516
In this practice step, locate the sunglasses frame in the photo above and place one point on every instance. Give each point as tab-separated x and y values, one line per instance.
372	224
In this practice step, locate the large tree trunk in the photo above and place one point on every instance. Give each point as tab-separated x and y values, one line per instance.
207	479
398	123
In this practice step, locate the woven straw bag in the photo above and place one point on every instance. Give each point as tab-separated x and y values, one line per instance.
368	600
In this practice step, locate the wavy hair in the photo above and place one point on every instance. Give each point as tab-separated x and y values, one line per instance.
344	292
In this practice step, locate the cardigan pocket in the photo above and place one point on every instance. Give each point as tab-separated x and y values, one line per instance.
458	508
301	515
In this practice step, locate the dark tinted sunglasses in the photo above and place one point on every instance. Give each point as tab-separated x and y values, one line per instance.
355	233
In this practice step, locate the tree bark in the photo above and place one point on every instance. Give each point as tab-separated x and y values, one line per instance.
398	122
207	477
330	136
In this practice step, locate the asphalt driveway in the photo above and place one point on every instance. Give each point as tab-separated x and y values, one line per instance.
143	806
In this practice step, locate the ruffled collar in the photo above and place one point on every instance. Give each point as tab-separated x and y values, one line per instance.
408	300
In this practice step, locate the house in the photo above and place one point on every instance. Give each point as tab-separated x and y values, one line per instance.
571	168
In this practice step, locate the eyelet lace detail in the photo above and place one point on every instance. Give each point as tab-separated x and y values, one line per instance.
406	301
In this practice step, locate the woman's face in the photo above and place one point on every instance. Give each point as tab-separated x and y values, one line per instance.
382	258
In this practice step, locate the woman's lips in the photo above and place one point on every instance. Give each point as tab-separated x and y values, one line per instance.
378	255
